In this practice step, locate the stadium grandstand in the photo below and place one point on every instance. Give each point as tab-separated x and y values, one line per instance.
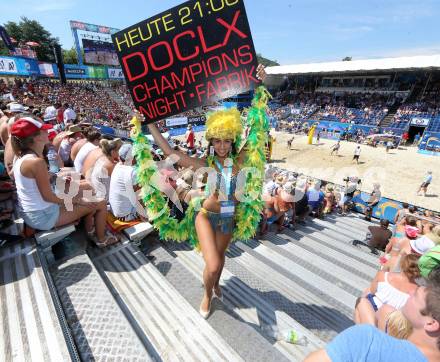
82	282
390	95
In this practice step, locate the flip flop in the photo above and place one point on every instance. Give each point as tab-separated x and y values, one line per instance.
109	240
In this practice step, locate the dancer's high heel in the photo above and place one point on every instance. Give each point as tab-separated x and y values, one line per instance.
205	314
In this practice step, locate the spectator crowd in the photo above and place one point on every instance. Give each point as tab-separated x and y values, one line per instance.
48	134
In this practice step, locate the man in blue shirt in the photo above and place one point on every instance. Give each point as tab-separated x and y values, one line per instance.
424	186
367	343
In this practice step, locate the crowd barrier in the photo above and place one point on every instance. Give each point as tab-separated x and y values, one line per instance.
29	67
430	144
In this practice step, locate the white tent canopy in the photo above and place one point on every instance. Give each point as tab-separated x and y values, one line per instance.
401	63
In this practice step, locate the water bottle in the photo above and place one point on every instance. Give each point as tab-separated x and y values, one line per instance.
52	157
293	336
288	335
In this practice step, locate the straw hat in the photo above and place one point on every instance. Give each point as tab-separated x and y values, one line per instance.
329	188
280	180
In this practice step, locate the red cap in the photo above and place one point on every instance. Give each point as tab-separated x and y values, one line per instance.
27	126
51	132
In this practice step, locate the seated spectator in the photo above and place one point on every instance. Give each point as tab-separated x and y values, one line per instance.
316	200
377	237
271	185
367	343
373	201
301	203
41	208
418	245
92	142
286	204
76	147
72	135
425	226
430	261
392	289
69	115
272	213
12	111
99	164
401	213
123	186
393	322
329	199
350	189
397	244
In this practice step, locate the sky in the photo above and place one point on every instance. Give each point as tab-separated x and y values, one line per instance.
289	31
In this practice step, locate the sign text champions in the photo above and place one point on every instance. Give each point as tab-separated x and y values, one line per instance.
186	57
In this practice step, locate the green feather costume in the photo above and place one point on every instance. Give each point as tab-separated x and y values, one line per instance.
247	213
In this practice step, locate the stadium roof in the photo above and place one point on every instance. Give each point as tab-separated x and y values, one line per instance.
402	63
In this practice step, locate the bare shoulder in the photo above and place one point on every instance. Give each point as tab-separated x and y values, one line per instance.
31	166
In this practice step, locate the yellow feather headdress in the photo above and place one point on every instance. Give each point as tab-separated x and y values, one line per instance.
225	125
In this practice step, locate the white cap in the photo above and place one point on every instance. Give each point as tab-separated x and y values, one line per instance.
17	107
50	113
422	244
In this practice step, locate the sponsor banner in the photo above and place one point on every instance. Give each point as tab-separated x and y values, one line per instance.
19	66
430	142
105	130
97	72
178	121
8	65
385	209
46	69
28	66
75	71
92	27
174	132
122	133
420	121
197	119
115	73
189	56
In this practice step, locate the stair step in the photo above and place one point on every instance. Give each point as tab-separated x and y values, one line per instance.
352	263
292	254
251	307
327	314
174	328
335	238
98	325
29	327
242	337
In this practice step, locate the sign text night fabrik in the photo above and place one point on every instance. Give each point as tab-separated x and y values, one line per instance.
188	56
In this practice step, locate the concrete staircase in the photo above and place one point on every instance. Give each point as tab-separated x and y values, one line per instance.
119	303
113	95
388	119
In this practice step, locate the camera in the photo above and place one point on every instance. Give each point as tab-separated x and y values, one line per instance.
352	179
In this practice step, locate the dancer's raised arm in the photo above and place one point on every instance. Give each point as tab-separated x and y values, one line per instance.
184	159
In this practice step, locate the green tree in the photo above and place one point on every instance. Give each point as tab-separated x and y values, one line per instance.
266	62
70	56
31	30
347	59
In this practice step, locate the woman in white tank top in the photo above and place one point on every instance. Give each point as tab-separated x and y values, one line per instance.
388	288
41	208
93	137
